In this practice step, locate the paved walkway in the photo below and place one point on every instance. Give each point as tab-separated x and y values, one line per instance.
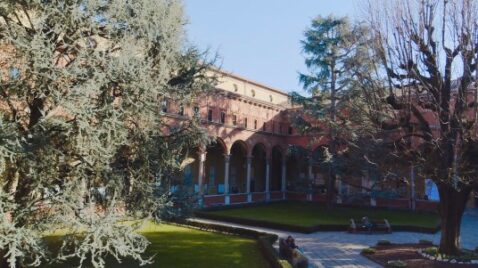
342	250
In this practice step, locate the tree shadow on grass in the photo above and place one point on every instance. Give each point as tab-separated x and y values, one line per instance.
187	248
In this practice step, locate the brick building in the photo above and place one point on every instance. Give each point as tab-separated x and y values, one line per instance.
251	159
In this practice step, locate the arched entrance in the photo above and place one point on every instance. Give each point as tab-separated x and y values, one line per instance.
320	169
214	168
297	165
190	171
258	168
238	166
276	169
431	190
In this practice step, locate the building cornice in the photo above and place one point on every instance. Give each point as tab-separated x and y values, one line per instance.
247	80
254	101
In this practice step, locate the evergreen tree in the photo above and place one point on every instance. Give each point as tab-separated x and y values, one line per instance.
332	46
83	143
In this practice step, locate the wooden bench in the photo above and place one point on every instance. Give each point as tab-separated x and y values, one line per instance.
377	226
293	256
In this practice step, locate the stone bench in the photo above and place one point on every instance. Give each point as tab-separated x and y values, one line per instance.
377	226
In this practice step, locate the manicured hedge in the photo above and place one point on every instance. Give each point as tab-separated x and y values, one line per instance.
303	229
272	225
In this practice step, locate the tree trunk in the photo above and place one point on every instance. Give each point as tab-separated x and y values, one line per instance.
330	199
452	207
3	261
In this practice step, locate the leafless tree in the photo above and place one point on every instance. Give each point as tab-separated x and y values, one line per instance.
427	51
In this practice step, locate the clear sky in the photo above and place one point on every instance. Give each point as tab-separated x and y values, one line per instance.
260	39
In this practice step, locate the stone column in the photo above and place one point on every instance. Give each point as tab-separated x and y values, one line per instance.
284	176
248	184
310	178
227	160
364	185
268	179
413	199
202	161
338	185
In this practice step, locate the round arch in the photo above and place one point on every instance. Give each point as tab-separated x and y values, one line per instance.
214	168
258	172
297	165
320	169
220	142
238	167
277	155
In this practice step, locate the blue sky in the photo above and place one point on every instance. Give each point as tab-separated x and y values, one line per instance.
260	39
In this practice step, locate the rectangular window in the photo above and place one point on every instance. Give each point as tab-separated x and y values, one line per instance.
234	120
264	126
181	110
164	106
209	115
223	117
196	111
291	131
245	122
255	124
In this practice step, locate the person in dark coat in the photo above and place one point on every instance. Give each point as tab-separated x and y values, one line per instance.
291	242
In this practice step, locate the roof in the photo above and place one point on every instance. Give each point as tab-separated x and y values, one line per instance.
252	82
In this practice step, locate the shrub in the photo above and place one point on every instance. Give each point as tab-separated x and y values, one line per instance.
368	251
431	251
425	242
397	263
383	243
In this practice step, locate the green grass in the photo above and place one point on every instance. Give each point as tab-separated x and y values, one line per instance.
311	214
183	247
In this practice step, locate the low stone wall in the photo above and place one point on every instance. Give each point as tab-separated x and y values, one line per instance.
423	205
318	198
393	203
213	200
258	197
238	198
296	196
276	196
397	203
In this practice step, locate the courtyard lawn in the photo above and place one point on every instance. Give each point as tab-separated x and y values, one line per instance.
175	246
307	214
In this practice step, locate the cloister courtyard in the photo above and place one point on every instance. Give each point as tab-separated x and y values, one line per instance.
218	237
248	134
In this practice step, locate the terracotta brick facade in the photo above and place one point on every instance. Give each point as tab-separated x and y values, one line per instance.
250	160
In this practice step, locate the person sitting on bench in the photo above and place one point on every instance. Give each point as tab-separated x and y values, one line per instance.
291	243
366	223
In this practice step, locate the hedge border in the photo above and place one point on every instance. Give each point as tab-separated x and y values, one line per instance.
295	228
265	241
